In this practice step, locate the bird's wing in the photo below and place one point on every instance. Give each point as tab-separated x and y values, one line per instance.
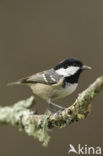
46	77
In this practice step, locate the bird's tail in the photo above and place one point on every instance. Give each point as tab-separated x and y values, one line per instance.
14	83
19	82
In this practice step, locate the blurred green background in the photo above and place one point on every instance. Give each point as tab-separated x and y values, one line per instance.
34	36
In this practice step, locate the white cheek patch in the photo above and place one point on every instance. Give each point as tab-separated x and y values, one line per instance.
71	70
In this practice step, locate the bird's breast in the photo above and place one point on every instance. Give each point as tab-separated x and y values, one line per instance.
50	92
69	89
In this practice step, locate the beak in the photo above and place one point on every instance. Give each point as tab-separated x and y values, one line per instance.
85	67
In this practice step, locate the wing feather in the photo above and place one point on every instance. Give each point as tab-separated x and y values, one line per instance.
45	77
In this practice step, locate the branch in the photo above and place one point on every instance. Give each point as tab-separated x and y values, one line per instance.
35	125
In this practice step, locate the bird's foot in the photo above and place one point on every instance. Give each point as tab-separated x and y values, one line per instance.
60	110
52	109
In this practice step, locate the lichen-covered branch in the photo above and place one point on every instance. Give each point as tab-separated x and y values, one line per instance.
36	125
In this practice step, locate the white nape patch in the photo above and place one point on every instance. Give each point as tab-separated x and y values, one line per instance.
70	70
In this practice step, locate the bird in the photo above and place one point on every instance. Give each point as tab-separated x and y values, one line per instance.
56	82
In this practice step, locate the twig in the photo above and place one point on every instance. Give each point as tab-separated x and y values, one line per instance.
35	125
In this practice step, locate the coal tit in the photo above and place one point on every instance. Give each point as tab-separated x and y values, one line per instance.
57	82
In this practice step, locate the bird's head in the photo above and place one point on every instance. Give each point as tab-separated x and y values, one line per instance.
70	67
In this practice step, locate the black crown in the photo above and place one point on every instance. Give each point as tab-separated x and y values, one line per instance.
68	62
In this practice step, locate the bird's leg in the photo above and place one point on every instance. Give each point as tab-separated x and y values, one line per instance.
58	106
51	108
